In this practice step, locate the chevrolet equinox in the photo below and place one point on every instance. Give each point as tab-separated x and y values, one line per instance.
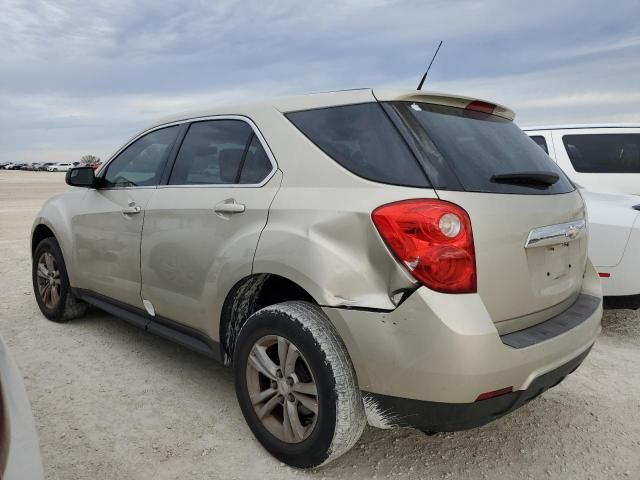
398	257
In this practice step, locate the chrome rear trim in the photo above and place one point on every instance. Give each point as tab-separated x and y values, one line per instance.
556	234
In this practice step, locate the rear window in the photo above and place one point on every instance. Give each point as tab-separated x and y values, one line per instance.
604	153
467	148
363	140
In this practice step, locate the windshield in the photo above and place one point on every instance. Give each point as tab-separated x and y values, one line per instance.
474	151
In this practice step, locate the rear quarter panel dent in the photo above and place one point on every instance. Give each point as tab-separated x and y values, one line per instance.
335	254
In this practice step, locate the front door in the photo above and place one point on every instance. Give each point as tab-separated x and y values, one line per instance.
201	230
107	232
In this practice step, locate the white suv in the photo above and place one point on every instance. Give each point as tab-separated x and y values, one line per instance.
601	158
606	159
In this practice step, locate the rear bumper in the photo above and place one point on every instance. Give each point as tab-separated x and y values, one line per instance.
450	417
445	349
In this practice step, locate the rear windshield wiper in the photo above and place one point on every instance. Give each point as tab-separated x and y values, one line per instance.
533	179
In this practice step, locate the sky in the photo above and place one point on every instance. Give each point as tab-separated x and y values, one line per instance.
80	77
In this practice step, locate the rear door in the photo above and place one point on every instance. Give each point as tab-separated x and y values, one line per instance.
107	232
519	276
601	159
201	229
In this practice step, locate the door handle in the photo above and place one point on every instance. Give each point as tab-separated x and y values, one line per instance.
131	210
229	206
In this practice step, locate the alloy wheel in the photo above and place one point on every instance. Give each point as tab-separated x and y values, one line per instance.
282	389
49	285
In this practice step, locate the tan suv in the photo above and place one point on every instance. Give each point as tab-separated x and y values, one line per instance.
402	257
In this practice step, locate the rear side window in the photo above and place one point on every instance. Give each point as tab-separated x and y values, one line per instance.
604	153
363	140
211	153
478	148
541	142
256	164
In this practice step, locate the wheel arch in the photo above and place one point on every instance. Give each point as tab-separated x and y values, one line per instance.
249	295
40	232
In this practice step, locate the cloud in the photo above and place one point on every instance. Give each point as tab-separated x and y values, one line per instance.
80	77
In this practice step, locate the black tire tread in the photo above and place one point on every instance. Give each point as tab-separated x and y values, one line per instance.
350	414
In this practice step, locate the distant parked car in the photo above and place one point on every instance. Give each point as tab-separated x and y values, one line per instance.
601	158
614	240
6	166
19	447
45	166
60	167
13	166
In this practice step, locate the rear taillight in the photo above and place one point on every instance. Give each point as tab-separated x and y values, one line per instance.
433	239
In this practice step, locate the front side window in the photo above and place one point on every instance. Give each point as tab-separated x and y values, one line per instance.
142	162
211	153
604	153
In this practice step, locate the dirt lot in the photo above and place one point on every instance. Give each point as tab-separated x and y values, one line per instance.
113	402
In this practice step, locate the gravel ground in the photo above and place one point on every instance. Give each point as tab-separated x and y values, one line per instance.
113	402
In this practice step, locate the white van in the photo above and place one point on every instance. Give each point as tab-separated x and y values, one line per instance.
601	158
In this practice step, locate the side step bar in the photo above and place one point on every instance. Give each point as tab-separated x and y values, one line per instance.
186	336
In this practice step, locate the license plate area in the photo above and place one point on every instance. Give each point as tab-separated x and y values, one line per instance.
555	270
557	261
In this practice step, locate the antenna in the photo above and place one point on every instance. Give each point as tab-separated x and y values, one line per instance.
424	77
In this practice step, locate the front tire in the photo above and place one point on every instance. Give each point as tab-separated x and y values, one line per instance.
296	385
51	283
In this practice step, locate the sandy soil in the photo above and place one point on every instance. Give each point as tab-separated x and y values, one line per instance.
113	402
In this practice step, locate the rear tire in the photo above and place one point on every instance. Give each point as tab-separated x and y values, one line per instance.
286	393
51	284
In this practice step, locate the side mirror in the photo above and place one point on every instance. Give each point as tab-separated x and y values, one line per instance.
81	177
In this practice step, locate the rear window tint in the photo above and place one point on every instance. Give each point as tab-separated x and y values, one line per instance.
476	146
604	153
363	140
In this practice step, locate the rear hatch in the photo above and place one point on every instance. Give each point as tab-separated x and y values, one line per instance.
527	218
